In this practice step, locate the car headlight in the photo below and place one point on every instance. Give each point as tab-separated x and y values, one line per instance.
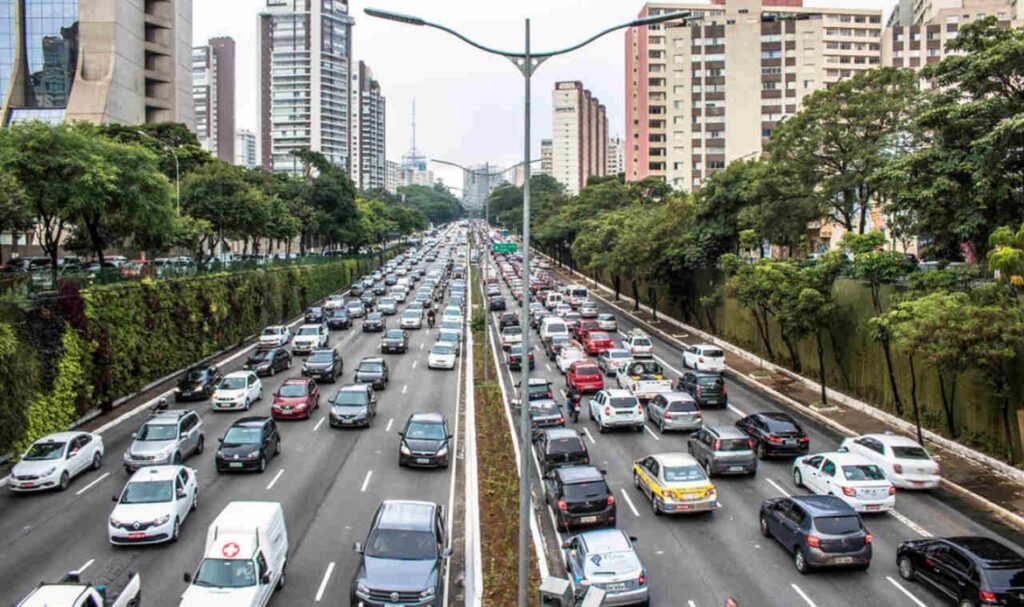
363	589
255	453
115	522
405	450
49	472
161	520
426	594
443	451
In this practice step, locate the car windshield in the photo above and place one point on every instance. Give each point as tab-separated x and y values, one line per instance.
393	334
425	431
866	472
195	375
620	354
320	357
44	451
683	474
513	330
402	544
147	492
587	370
411	314
242	436
623	402
225	573
373	367
308	331
559	340
293	390
450	324
642	342
374	316
340	314
355	306
387	301
157	432
350	398
441	350
556	327
605	317
232	383
838	525
272	331
448	335
587	489
913	452
569	444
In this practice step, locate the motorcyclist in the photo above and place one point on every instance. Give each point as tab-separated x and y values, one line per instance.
572	402
430	317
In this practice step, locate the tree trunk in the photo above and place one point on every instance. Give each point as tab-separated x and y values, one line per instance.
876	303
793	355
862	198
653	293
617	283
913	400
636	296
947	403
838	356
821	367
762	330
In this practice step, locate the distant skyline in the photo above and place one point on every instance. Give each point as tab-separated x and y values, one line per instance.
469	106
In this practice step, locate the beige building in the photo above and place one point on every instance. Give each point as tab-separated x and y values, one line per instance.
919	30
545	157
579	148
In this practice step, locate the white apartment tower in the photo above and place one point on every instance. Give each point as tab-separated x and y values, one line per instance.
245	149
579	146
368	170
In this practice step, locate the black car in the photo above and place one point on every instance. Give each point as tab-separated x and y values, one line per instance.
514	357
496	303
967	570
373	370
508	319
580	497
561	447
775	434
395	340
374	323
425	441
540	389
368	301
554	345
403	560
708	389
544	414
323	365
379	288
248	445
339	319
820	530
268	362
198	383
315	315
353	405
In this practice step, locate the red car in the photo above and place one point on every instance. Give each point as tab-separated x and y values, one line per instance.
586	326
296	399
585	377
597	341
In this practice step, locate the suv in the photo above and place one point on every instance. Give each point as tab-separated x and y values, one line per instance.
616	408
309	338
168	437
403	559
314	315
639	344
723	450
820	531
323	365
581	497
964	568
373	370
561	447
708	389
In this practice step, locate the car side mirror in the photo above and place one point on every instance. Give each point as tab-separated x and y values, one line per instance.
135	435
566	545
181	494
187	577
401	433
265	579
358	547
633	539
220	440
843	449
114	498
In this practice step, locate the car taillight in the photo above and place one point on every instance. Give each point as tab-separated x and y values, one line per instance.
771	438
813	541
987	596
724	390
897	468
562	505
639	410
699	390
868	538
805	439
892	490
611	500
608	411
668	415
718	445
937	468
560	420
849	491
750	443
700	359
642	579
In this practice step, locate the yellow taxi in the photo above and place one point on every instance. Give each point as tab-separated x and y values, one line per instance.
675	483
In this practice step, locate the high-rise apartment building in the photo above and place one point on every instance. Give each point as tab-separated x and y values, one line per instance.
245	149
104	61
392	176
368	130
213	91
478	183
579	135
919	30
546	157
616	156
708	91
305	51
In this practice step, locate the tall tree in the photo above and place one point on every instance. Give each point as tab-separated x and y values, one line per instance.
15	216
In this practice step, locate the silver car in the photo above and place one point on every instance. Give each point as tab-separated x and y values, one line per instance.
606	559
168	437
675	411
723	450
607	322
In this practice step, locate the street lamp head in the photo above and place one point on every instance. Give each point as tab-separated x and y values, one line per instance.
390	16
659	18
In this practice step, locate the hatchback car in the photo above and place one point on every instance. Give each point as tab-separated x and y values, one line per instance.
395	340
355	309
442	356
353	405
374	323
508	319
584	376
558	447
425	441
674	411
580	497
610	360
674	483
607	322
708	389
268	362
775	434
544	414
703	357
198	383
588	309
339	319
969	571
153	505
411	319
238	390
314	315
595	342
907	464
607	559
275	336
819	530
52	461
248	445
850	477
323	365
496	304
723	450
373	370
387	306
295	399
167	437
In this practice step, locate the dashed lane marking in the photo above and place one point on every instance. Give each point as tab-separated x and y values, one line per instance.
651	432
629	502
390	421
778	487
318	424
803	595
366	481
910	596
323	583
93	484
276	477
589	435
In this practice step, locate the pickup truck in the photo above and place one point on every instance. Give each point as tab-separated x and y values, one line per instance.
643	378
73	592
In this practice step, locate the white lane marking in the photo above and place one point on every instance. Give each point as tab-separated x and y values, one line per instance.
777	487
918	529
737	411
421	346
318	424
589	435
414	363
405	388
366	481
803	595
85	566
92	484
910	596
323	584
651	432
276	476
390	421
691	604
629	502
548	367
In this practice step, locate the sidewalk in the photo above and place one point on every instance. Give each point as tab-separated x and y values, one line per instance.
987	484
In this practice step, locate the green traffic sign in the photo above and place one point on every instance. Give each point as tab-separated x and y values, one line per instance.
504	247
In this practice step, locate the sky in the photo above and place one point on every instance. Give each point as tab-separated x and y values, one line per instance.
469	104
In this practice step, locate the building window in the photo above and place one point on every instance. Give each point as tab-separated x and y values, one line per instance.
771	54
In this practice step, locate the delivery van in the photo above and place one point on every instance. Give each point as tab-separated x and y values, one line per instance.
551	326
244	559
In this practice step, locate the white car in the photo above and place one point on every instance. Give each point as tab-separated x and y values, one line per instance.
411	319
334	302
703	357
52	461
588	309
309	338
906	463
456	318
275	336
511	335
850	477
616	409
237	391
607	322
153	505
638	344
442	356
569	354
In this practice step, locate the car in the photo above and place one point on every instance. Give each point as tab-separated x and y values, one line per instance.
675	411
580	497
638	344
425	441
54	460
610	360
544	414
323	365
496	304
607	322
596	342
554	345
456	320
441	356
850	477
374	323
616	409
355	309
197	383
310	337
275	336
607	559
584	327
387	306
411	319
452	338
153	505
353	405
451	325
584	376
588	309
368	300
268	362
674	483
295	399
167	437
644	378
906	463
314	315
703	357
819	530
508	319
248	445
511	335
373	370
356	289
723	450
539	389
968	570
708	389
334	302
775	434
556	447
380	288
514	357
238	390
569	354
404	557
395	340
339	319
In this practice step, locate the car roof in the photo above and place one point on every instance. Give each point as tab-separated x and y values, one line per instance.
322	351
168	416
155	473
702	374
578	474
606	540
407	514
675	396
675	459
355	388
556	433
776	416
539	381
618	393
295	381
897	440
429	417
59	437
251	421
726	431
824	505
238	374
988	550
372	359
850	459
618	351
310	326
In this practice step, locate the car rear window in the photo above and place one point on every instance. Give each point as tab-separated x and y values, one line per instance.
1010	577
914	452
565	445
683	406
734	444
587	489
781	426
863	473
837	525
714	353
588	370
623	402
710	382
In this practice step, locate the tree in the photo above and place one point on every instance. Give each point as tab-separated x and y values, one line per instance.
158	137
753	290
15	216
723	197
220	194
436	202
1006	254
998	332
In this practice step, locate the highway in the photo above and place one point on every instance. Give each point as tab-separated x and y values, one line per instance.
329	481
699	560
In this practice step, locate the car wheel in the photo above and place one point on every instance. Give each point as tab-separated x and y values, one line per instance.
762	453
763	524
280	580
707	468
195	501
639	428
176	460
289	363
277	447
661	425
654	506
200	445
600	427
800	561
260	395
906	568
97	460
798	478
636	480
263	464
64	480
966	603
247	404
176	532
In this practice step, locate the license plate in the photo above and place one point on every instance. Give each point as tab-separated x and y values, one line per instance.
422	460
843	560
136	535
235	465
735	468
28	485
615	587
789	441
588	519
873	507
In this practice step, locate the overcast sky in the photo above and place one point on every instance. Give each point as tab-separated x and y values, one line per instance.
469	106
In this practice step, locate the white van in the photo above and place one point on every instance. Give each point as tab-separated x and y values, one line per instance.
551	326
577	295
553	300
244	559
